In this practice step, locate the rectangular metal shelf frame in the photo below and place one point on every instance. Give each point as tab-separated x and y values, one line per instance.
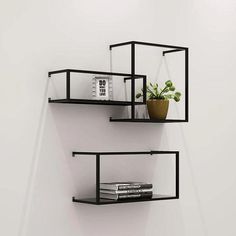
168	49
69	100
156	197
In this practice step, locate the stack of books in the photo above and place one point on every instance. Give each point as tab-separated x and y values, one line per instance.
125	190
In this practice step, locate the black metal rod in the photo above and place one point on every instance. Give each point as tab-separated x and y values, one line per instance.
97	178
144	78
186	85
56	72
91	72
147	44
170	51
93	102
158	45
147	120
124	153
133	81
67	85
145	90
120	44
136	77
177	175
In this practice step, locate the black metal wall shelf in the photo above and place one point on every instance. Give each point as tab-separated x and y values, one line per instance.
167	49
69	100
156	197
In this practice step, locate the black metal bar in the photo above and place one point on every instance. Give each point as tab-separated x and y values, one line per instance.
163	152
177	175
57	72
158	45
145	90
186	85
67	85
92	72
147	120
93	102
170	51
133	81
111	153
147	44
124	153
97	178
120	44
136	77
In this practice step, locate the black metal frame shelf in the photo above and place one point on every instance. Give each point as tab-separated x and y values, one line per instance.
156	197
168	49
69	100
132	77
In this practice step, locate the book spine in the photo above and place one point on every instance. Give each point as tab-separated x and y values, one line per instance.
136	191
128	191
134	186
137	195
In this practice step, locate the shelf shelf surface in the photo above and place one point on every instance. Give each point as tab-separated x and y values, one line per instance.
147	120
93	102
103	201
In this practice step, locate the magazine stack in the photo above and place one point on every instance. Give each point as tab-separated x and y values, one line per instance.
125	190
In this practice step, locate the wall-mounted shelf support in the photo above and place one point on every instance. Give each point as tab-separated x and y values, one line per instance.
156	197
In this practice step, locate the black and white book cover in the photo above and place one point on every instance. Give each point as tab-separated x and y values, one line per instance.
125	185
126	196
127	191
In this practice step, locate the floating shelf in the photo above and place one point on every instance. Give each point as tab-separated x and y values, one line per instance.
146	120
101	201
93	102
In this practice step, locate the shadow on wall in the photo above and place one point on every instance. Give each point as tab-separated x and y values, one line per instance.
125	219
59	176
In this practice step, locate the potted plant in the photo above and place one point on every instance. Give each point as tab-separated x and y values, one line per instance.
158	99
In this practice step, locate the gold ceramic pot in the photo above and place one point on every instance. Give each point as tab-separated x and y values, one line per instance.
157	108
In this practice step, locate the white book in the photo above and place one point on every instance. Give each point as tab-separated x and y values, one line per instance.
125	185
126	191
125	196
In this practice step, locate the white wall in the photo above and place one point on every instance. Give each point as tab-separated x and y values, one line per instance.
38	36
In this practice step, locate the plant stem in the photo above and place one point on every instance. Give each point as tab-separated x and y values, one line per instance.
150	91
163	90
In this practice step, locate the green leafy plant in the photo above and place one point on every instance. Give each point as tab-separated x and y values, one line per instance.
168	92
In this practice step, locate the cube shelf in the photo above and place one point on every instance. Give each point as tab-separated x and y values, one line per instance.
156	197
168	49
